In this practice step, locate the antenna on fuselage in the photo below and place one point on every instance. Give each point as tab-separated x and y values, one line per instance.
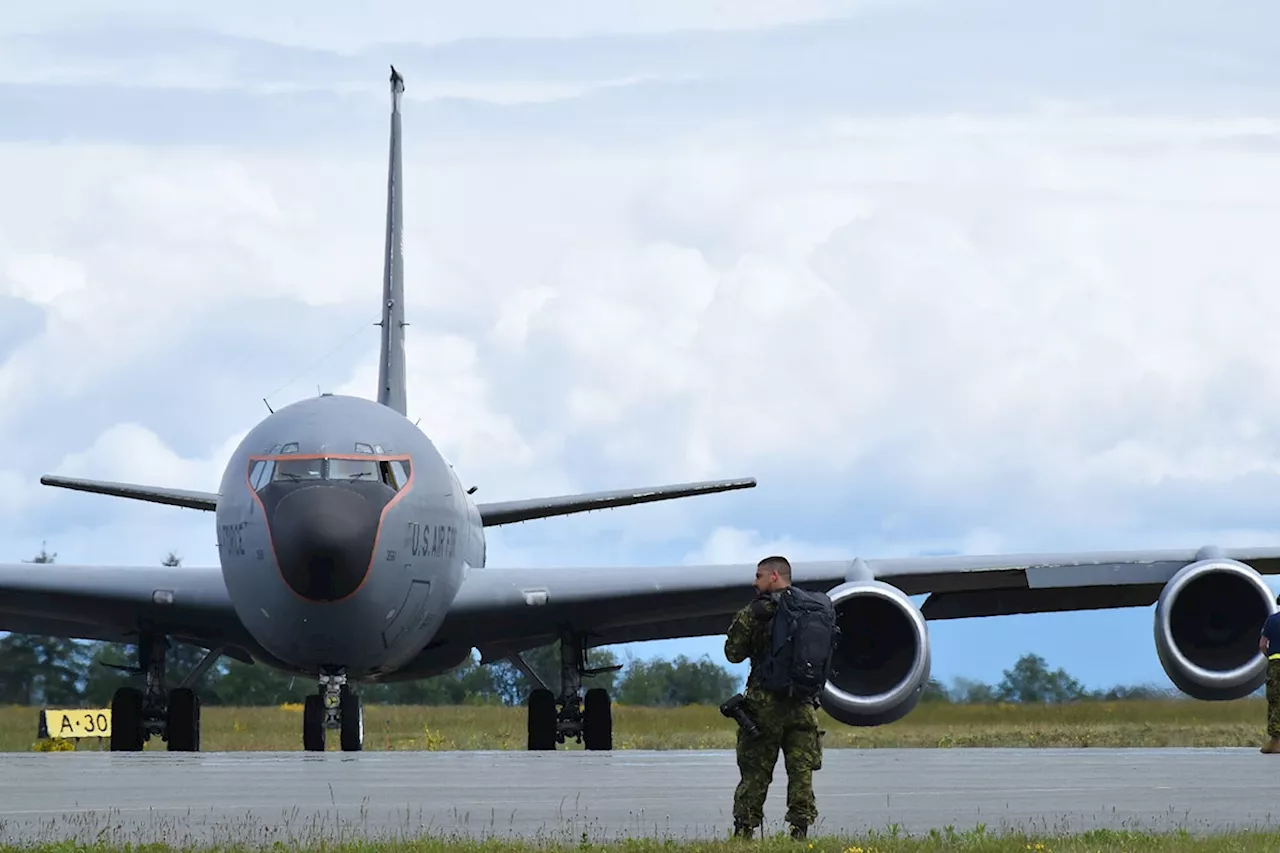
268	405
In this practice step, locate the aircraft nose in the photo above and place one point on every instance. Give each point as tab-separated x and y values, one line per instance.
323	537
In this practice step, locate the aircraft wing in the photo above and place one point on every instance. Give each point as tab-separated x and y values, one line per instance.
492	514
109	602
501	611
154	494
509	512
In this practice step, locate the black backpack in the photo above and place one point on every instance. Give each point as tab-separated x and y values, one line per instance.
803	639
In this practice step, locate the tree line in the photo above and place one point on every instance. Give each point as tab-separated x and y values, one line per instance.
57	672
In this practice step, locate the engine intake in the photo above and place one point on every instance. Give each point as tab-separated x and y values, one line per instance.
881	663
1207	623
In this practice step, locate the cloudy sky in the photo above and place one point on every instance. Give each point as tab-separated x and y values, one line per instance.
944	275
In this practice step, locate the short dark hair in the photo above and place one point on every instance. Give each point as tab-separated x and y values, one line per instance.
779	565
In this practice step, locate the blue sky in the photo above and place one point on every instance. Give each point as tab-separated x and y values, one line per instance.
957	277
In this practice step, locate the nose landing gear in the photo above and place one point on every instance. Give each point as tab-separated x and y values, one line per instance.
335	706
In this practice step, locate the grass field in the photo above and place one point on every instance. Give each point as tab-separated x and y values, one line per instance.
1099	724
971	842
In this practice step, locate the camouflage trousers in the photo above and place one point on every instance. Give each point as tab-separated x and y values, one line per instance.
792	729
1273	698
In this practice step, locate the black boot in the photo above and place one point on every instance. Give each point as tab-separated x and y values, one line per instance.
799	833
742	830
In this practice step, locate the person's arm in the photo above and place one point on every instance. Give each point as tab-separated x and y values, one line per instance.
737	642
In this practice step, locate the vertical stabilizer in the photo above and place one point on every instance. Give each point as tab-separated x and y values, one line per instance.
391	373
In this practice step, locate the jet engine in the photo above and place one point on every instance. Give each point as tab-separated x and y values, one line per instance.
881	663
1207	623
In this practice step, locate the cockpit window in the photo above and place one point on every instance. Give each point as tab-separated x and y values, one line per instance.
292	470
390	472
352	469
395	473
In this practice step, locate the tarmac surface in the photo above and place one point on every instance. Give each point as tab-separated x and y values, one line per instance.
253	797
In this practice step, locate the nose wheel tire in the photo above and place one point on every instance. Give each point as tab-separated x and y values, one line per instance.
335	706
352	709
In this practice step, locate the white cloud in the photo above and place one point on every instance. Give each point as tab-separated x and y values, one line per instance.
316	25
732	545
1065	300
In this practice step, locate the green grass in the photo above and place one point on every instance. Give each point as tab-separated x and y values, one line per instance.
976	841
1138	723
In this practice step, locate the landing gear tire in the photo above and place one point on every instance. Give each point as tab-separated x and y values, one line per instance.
597	720
183	720
554	719
542	720
313	723
352	710
127	733
173	715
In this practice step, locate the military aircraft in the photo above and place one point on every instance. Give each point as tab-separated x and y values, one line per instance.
350	552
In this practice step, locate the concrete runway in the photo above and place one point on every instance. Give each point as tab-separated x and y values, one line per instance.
251	797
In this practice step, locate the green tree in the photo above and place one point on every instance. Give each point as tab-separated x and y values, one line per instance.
664	683
969	692
935	691
1030	680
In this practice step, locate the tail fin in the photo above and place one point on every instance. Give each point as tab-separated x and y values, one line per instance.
391	370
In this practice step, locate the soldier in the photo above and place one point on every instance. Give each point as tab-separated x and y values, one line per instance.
786	724
1271	636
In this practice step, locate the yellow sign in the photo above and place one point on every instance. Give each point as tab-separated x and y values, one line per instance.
78	722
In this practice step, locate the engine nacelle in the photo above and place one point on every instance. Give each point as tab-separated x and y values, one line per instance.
1207	624
881	664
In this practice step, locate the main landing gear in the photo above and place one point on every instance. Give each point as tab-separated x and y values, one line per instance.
173	715
335	706
588	720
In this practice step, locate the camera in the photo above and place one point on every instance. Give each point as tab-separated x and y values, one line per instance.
735	708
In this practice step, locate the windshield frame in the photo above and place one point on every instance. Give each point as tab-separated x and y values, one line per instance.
260	469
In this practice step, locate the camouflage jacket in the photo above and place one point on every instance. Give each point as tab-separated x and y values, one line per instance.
748	637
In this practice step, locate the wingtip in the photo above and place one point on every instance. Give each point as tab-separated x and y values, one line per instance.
397	81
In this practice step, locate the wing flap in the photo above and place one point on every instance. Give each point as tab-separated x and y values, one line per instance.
1008	602
510	512
207	501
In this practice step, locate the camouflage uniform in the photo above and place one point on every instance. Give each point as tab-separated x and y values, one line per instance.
1273	699
1271	636
789	725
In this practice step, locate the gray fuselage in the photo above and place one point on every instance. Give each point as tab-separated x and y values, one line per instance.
343	536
